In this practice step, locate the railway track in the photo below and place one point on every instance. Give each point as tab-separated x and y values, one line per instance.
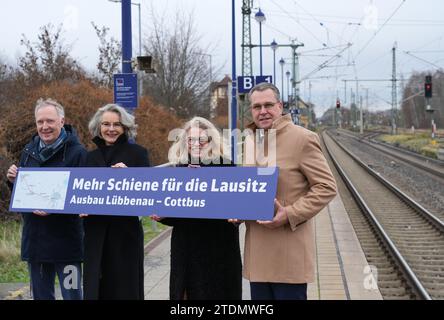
397	235
422	185
433	166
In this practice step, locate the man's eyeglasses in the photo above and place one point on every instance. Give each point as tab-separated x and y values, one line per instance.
116	125
267	106
201	140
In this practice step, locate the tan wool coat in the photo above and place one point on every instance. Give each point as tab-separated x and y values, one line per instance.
305	186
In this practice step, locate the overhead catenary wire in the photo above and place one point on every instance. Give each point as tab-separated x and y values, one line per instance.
270	26
351	18
300	24
324	64
321	23
407	58
352	30
379	29
354	21
423	60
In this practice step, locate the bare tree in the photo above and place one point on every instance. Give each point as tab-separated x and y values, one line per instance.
182	78
414	106
4	77
110	56
48	59
3	70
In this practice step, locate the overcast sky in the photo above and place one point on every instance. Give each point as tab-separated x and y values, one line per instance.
371	26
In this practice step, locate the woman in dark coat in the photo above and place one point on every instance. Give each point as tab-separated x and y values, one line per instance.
205	254
113	267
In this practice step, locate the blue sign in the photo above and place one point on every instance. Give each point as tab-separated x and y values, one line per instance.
261	79
294	111
245	193
245	84
125	90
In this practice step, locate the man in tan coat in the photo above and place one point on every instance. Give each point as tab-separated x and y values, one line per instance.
279	254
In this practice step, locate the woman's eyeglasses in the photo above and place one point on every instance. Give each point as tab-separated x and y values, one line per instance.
201	140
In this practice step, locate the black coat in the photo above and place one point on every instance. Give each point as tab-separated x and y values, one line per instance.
57	237
113	267
205	259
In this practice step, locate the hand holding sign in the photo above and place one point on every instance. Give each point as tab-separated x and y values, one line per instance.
119	165
12	173
279	219
236	221
40	213
156	218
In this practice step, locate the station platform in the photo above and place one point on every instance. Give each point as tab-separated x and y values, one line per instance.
341	267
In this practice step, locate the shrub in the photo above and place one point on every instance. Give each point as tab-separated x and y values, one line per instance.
81	101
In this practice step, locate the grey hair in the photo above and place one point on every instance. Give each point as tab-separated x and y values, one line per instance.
127	120
265	86
41	103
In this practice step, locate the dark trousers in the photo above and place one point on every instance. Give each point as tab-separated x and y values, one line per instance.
278	291
43	279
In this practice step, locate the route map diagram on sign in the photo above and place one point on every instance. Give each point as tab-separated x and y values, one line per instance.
41	190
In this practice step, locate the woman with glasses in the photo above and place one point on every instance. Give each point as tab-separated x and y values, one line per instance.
113	264
205	254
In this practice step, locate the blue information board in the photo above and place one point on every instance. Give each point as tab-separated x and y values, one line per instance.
245	84
261	79
125	90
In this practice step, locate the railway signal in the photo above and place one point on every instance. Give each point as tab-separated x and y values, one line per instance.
428	87
428	96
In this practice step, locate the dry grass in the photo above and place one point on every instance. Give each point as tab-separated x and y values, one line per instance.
12	269
9	241
419	143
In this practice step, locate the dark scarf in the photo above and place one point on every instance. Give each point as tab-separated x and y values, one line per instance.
47	151
108	152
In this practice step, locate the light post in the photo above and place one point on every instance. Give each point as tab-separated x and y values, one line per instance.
288	85
274	47
127	41
282	63
295	80
260	18
233	109
140	43
140	49
140	23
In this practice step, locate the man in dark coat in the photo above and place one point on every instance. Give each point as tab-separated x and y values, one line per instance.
52	244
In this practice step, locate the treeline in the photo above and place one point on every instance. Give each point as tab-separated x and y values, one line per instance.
47	69
413	106
412	109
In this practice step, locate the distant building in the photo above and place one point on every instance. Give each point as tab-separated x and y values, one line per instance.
305	112
219	97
